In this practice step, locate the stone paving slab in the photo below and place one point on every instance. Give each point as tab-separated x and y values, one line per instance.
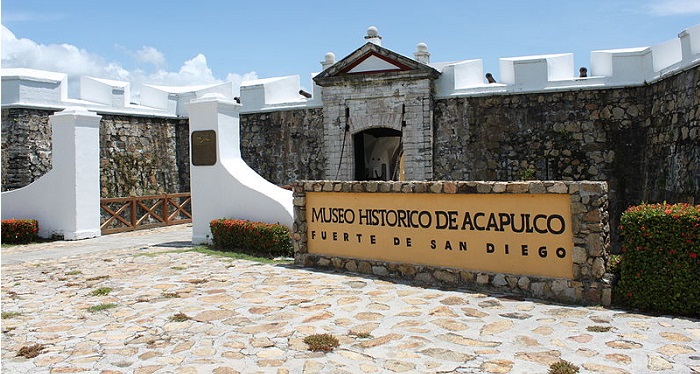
245	317
170	236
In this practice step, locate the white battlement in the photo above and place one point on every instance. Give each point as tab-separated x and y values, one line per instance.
172	99
275	94
533	72
628	66
112	93
666	54
32	86
464	77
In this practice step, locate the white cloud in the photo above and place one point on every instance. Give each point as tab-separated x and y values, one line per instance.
64	58
238	78
151	56
674	7
76	62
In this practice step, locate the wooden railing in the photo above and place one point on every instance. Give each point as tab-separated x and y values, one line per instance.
121	214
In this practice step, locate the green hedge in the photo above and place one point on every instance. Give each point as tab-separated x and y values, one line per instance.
660	268
257	238
19	231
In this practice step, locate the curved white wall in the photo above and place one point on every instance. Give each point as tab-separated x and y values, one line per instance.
229	188
66	200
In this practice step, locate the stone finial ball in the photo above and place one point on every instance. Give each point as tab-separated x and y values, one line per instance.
422	47
330	57
372	31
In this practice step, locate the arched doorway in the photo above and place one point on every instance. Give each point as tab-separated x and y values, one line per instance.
378	154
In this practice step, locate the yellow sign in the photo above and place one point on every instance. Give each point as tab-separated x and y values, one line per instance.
528	234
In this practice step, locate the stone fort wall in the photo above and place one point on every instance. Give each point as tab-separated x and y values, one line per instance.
139	155
284	146
644	141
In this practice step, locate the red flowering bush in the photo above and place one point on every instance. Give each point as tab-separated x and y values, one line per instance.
19	231
258	238
660	268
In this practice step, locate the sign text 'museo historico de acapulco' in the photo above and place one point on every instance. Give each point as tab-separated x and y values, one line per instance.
527	234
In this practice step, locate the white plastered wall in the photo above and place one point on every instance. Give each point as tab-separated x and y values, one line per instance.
66	200
229	188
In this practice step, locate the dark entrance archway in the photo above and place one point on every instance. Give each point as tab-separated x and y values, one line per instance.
378	153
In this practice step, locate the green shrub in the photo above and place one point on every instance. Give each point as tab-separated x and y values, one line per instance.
269	240
660	269
19	231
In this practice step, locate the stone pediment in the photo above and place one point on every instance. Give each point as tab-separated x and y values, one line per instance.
372	59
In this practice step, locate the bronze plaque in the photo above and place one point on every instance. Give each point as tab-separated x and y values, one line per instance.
203	145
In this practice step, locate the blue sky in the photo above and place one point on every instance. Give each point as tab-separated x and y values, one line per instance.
199	42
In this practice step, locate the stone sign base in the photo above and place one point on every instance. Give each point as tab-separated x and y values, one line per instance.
587	254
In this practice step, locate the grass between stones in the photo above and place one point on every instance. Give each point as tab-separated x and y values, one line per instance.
179	317
598	328
213	252
563	367
321	342
97	278
6	315
101	307
30	351
102	291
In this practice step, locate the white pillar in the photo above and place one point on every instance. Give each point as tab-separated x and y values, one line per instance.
66	200
224	186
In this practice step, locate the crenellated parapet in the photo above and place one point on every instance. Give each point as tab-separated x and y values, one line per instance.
49	90
608	68
537	73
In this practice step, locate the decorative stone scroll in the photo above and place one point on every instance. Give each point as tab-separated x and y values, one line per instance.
542	239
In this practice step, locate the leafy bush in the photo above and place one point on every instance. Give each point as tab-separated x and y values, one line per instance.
660	269
19	231
614	264
269	240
